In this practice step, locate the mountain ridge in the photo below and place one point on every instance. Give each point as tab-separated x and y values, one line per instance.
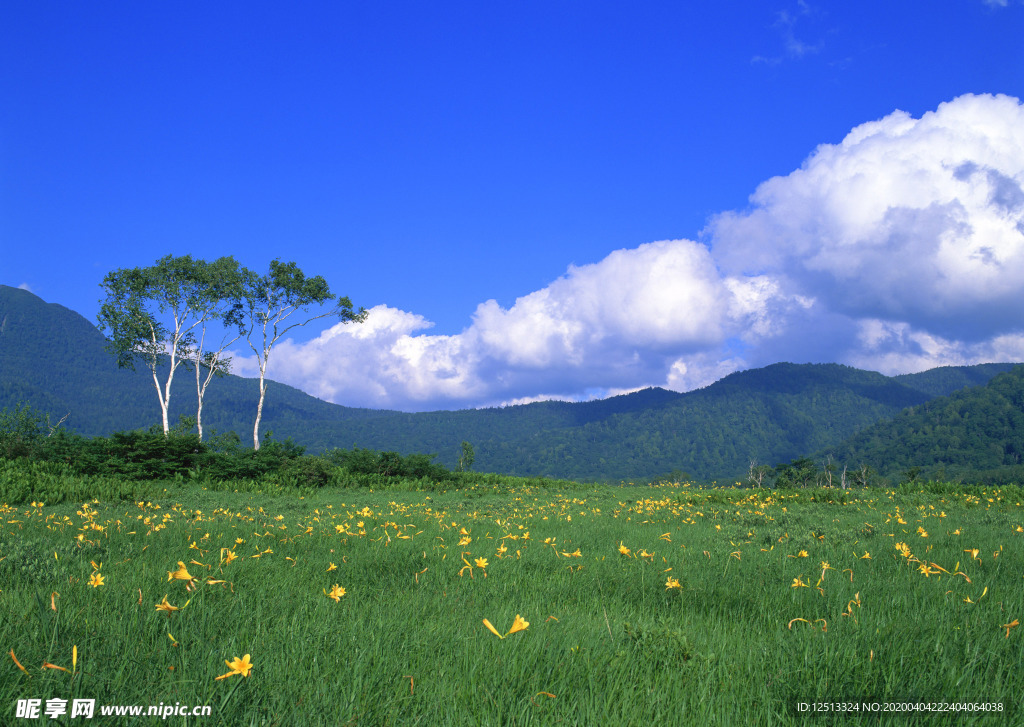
54	359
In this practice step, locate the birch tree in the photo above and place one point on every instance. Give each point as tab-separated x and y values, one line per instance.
151	314
272	299
218	305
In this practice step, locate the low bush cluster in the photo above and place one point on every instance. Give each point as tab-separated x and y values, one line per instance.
39	461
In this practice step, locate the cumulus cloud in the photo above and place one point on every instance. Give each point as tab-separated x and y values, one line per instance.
612	326
898	249
905	219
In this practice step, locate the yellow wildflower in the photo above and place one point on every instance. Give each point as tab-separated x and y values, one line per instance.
181	574
238	666
96	580
18	663
672	583
336	593
519	624
166	607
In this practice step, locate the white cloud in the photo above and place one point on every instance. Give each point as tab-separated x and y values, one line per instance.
793	47
906	219
608	327
898	249
25	286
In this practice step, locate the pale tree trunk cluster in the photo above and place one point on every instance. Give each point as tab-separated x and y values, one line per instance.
162	314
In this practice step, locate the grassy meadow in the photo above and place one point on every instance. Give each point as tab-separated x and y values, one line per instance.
609	606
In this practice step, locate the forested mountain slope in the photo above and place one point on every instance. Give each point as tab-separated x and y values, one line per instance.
54	360
976	429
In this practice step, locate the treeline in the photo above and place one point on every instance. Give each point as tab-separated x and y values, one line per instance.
40	459
56	360
975	434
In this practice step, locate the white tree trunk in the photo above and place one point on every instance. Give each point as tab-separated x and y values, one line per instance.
163	402
200	390
259	412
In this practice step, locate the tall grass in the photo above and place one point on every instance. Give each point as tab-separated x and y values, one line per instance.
608	642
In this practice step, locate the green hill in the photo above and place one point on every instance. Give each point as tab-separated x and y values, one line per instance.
54	360
974	430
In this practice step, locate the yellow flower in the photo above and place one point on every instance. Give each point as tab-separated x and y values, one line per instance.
866	556
519	624
336	592
181	574
166	607
672	583
18	663
623	549
229	556
465	540
802	554
96	580
798	583
1013	624
331	567
481	562
238	666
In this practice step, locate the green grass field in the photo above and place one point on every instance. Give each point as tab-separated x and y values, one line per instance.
871	596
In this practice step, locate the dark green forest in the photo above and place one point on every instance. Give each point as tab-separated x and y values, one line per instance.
977	433
55	361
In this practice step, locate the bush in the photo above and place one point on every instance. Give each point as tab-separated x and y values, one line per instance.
22	432
388	464
309	472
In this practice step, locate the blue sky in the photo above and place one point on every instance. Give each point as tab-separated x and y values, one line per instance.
538	200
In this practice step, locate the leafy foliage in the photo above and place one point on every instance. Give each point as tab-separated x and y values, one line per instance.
54	359
975	430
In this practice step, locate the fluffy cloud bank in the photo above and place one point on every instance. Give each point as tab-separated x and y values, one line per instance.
900	248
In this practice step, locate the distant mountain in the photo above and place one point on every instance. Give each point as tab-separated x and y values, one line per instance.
54	360
973	430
